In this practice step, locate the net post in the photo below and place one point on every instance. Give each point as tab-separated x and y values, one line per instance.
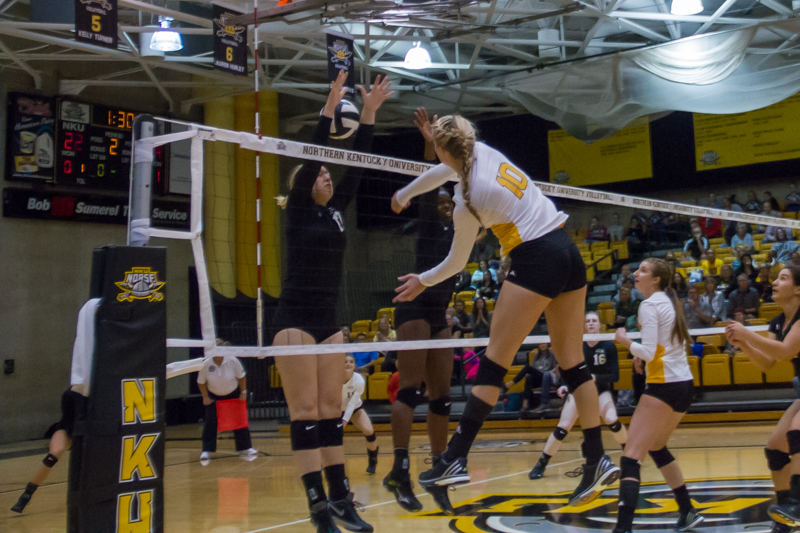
140	187
259	295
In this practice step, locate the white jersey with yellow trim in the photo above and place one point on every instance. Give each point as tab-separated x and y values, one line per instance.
351	395
666	357
504	198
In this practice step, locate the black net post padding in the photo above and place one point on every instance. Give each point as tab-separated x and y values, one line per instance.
116	474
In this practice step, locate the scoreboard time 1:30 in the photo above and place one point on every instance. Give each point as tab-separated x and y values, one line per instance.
94	145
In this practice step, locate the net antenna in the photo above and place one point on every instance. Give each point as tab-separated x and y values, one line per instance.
259	292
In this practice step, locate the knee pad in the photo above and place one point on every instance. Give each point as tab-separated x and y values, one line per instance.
371	438
630	469
615	427
50	460
410	396
776	459
662	457
440	406
575	376
331	432
304	435
490	373
793	437
560	433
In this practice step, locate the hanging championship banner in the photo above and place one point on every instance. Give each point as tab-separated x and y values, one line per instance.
96	22
230	42
340	57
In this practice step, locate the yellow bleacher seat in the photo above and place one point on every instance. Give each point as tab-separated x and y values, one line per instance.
781	372
716	370
361	326
708	349
722	253
274	377
490	305
468	335
623	353
512	372
605	264
790	214
728	259
584	247
388	311
601	245
607	315
745	372
720	324
621	247
587	257
471	267
766	247
759	322
713	340
467	296
625	381
374	325
380	362
378	385
768	311
688	264
716	241
589	274
759	236
581	233
694	365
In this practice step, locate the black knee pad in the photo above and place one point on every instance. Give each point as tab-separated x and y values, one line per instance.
331	432
490	373
304	435
630	469
560	433
615	427
410	396
662	457
776	459
371	438
50	460
575	376
440	406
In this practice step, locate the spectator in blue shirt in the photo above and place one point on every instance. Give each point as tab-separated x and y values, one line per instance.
742	238
365	361
783	247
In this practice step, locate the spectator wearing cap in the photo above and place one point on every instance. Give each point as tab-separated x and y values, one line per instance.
744	296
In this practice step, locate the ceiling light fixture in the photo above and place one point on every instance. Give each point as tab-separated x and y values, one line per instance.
417	58
686	7
165	39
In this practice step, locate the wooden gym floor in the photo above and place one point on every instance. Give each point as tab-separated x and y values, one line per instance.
233	495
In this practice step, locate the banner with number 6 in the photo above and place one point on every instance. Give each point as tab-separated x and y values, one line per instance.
230	43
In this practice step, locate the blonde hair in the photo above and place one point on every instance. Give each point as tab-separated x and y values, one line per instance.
456	135
282	201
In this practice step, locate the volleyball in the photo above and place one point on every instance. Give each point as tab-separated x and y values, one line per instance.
345	120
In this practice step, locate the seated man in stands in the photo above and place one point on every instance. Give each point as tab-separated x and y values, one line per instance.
635	294
711	265
462	316
616	231
696	317
712	227
365	361
712	303
745	297
596	232
627	309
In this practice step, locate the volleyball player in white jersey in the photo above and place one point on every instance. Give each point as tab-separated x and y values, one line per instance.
547	276
353	410
666	398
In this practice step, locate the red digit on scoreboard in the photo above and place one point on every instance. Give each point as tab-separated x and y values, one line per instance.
68	140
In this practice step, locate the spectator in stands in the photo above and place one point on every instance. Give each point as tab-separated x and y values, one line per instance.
487	288
540	373
635	235
670	258
635	294
742	239
745	297
470	362
695	318
793	199
770	232
627	308
763	283
346	333
726	281
501	277
505	265
746	267
738	316
729	203
624	274
477	276
753	205
385	333
655	228
712	227
596	232
679	284
673	228
730	225
365	361
772	201
713	202
463	279
712	303
485	249
616	231
452	323
462	316
711	265
783	247
481	319
695	247
794	258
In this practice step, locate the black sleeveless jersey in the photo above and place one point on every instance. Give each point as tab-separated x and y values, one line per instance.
778	327
603	363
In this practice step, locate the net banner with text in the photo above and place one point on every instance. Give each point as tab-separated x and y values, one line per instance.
760	136
623	157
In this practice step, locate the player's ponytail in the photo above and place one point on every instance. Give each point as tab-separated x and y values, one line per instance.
456	135
283	201
660	269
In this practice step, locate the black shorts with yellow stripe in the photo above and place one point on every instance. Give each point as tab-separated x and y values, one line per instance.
548	265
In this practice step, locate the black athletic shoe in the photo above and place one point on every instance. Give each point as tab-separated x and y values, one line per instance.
344	512
442	498
595	477
322	520
22	502
373	462
443	474
538	470
787	514
403	493
687	522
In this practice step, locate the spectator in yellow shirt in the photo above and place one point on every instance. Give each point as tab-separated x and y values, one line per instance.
711	265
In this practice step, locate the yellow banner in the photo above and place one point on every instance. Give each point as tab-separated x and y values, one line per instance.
623	157
768	134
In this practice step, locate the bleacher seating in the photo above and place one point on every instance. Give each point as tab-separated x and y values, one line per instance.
377	384
768	311
781	372
388	311
716	370
745	372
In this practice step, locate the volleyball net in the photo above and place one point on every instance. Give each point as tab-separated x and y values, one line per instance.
380	244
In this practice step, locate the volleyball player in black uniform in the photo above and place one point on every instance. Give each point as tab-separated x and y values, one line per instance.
424	319
782	344
306	315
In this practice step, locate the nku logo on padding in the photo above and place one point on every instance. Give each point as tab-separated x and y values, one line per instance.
727	506
140	283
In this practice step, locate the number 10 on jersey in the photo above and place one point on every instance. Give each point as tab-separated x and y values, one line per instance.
512	179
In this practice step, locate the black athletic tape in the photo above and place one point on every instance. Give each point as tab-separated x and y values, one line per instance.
574	377
50	460
371	438
304	435
615	427
793	436
776	459
490	373
630	469
410	396
662	457
331	432
440	406
560	433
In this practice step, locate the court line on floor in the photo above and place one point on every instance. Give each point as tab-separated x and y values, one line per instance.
425	494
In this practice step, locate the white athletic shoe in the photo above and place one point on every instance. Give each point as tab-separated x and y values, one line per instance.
205	455
251	451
